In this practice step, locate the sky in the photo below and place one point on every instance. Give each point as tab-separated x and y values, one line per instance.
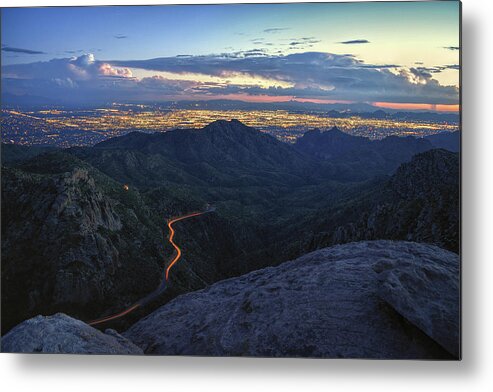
399	55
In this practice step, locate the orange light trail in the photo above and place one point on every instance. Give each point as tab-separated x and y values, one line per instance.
115	316
173	262
171	236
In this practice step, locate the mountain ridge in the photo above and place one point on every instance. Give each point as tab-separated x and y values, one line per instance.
117	200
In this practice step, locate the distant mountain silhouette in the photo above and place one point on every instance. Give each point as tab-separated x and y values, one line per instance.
229	142
231	153
330	144
375	156
223	152
26	101
447	140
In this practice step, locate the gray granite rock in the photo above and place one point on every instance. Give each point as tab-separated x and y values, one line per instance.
62	334
426	295
335	302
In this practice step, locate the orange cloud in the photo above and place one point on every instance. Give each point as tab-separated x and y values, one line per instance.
107	70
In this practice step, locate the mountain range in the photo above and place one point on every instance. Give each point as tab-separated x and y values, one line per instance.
97	215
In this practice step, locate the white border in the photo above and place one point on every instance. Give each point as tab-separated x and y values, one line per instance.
474	373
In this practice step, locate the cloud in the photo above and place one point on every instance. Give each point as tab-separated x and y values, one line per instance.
120	36
451	47
107	70
419	75
257	41
379	66
308	75
275	30
67	82
312	74
355	41
253	53
84	79
172	87
438	68
84	67
304	42
20	50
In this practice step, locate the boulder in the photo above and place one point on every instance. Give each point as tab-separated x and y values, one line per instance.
61	334
373	299
426	295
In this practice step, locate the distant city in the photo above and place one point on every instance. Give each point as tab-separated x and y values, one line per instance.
64	127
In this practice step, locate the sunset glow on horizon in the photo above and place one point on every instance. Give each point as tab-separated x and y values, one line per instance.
417	106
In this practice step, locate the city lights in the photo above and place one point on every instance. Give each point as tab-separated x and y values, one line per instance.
67	128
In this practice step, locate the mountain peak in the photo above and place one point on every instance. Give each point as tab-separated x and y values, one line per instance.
332	137
334	130
232	124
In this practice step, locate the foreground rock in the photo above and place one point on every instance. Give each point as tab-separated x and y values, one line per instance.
375	299
63	334
426	295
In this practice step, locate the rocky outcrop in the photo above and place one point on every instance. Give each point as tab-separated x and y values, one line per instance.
376	299
425	294
419	203
61	334
71	240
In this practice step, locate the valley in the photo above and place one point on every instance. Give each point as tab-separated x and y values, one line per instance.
97	248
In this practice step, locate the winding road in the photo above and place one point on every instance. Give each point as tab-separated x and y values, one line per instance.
163	284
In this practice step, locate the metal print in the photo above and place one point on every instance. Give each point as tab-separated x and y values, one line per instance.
263	180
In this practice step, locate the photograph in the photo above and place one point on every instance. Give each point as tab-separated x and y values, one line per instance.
268	180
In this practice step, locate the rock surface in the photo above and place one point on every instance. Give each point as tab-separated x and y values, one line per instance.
60	333
342	301
71	241
426	295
